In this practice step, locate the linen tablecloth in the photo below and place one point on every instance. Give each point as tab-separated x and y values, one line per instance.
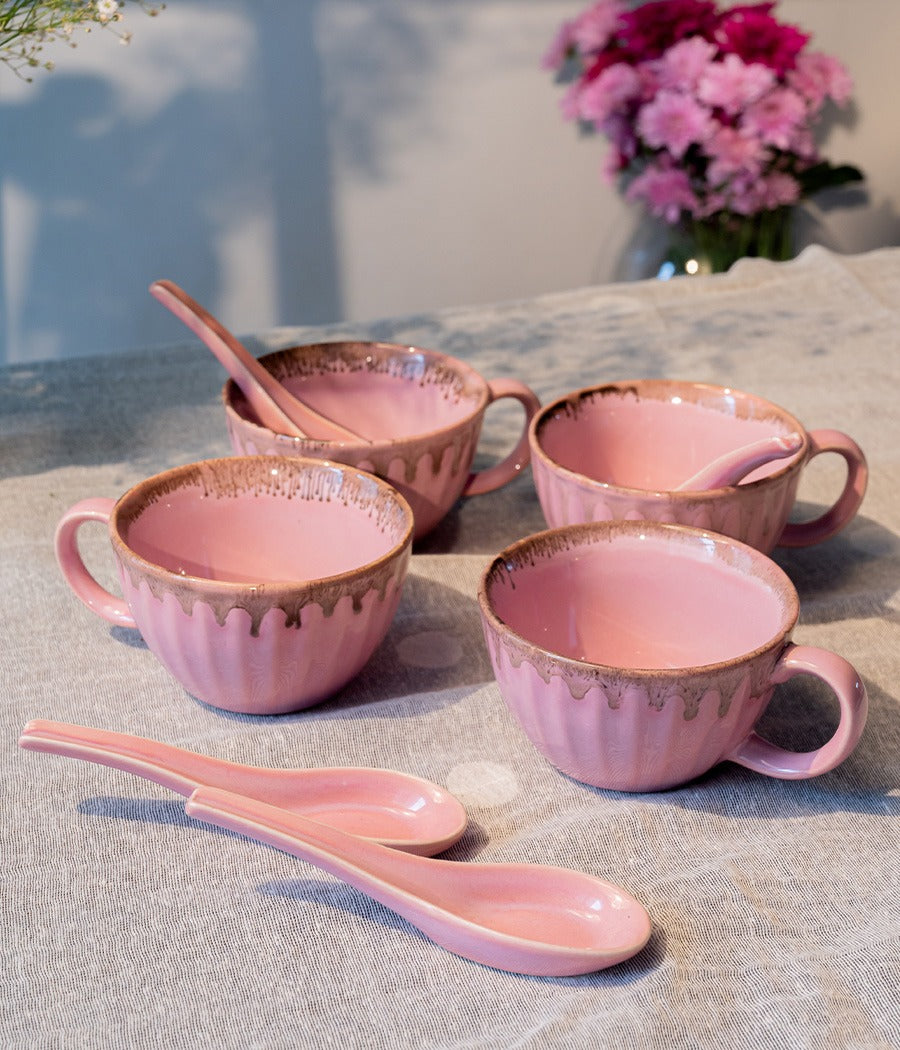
775	905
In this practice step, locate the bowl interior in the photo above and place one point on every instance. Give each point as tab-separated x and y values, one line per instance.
382	391
656	435
262	520
639	597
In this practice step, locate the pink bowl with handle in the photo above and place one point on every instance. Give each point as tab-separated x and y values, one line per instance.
262	584
621	450
421	411
636	655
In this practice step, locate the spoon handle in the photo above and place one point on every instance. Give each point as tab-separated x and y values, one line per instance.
357	861
402	882
171	767
734	465
276	407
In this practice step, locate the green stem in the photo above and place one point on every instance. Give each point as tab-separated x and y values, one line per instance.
719	241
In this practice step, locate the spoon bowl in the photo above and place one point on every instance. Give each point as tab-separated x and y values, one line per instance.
398	810
523	918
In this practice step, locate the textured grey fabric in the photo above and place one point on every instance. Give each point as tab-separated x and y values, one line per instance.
775	904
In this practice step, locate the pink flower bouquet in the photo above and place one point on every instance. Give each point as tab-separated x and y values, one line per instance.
709	113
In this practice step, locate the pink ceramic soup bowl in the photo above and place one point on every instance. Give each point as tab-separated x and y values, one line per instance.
636	656
263	584
619	452
421	410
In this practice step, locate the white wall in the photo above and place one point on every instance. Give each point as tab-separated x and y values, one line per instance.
308	161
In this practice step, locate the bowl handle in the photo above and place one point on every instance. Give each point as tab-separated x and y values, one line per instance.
499	474
805	533
763	757
95	597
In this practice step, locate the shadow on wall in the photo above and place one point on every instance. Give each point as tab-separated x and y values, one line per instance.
203	152
378	60
84	200
178	157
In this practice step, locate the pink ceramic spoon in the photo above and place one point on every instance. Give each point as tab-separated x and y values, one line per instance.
732	466
276	407
525	918
399	810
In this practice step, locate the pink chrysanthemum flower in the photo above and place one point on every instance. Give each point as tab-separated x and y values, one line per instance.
712	201
744	198
765	194
674	122
803	144
685	63
594	28
779	189
614	88
731	152
732	84
665	191
775	117
818	77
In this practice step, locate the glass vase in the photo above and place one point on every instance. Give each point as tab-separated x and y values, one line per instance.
714	244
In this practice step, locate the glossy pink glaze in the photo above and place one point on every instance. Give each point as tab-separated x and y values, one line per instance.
263	584
637	656
620	451
525	918
422	412
396	809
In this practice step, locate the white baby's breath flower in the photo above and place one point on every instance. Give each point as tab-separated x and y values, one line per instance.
107	9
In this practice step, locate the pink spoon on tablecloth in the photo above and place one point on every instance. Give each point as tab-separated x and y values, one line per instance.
275	406
393	808
524	918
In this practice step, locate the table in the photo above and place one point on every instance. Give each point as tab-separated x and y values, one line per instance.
775	904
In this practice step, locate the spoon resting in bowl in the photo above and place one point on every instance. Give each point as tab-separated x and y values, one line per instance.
524	918
733	466
393	808
274	404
